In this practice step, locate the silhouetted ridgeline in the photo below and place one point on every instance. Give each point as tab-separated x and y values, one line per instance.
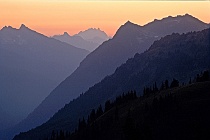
129	40
180	56
31	66
89	39
76	41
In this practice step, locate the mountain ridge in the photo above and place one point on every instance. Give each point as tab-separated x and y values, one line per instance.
95	38
189	57
29	60
103	61
130	117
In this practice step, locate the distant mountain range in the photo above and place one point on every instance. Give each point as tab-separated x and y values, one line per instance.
31	66
93	35
89	39
181	56
129	40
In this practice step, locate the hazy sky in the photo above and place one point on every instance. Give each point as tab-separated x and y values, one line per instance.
56	16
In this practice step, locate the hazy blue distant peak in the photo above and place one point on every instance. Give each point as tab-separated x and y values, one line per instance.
92	33
92	29
65	34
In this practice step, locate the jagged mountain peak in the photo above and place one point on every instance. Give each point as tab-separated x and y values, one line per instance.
185	17
93	34
177	24
23	27
10	28
188	15
66	34
175	19
7	28
91	29
127	28
128	23
178	16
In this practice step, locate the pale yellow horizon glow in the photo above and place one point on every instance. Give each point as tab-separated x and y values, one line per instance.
52	17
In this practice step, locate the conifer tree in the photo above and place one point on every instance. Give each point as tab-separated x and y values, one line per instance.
92	116
174	83
166	84
99	111
107	106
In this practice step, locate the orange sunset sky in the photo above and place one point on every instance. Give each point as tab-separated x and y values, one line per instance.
51	17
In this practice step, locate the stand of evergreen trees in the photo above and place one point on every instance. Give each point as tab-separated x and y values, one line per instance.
165	85
202	77
160	108
85	128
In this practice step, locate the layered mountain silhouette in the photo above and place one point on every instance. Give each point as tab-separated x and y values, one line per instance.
174	113
181	56
93	35
32	65
89	39
129	40
77	41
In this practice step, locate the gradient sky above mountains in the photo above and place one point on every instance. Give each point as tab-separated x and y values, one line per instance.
57	16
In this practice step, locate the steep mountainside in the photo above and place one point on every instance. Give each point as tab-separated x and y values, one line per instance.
180	56
32	65
176	113
129	39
